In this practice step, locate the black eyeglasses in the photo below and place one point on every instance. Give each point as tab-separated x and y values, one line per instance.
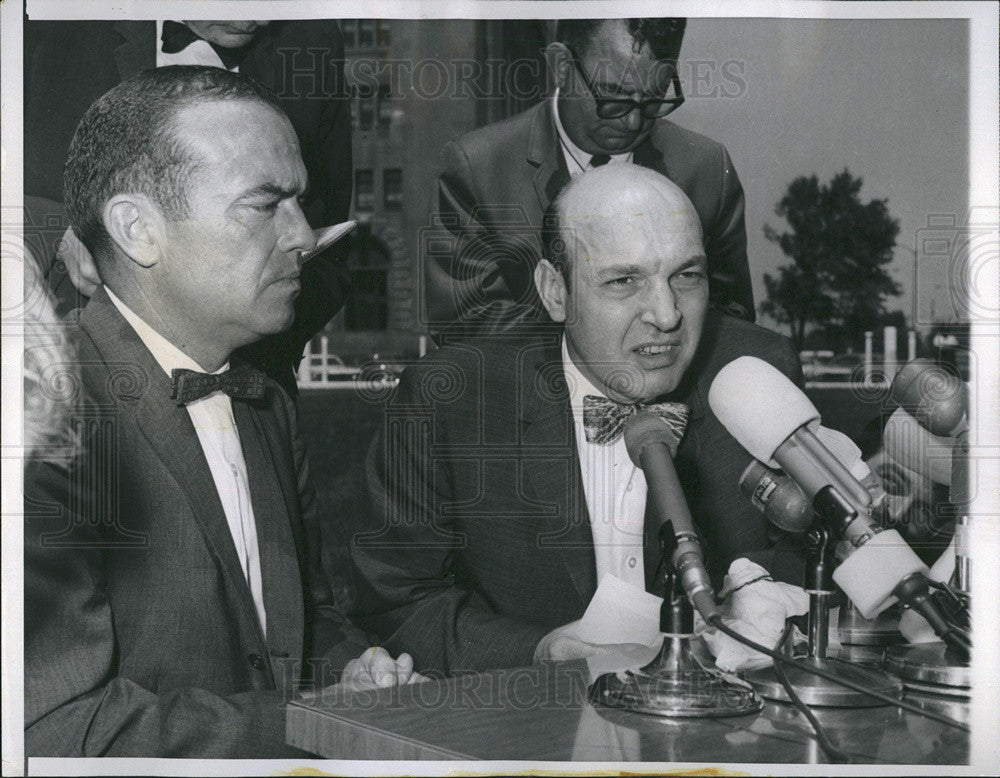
617	107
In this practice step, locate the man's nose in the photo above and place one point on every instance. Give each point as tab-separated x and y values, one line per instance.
660	308
294	232
633	120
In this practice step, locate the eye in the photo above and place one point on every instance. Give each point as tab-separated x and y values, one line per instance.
269	207
688	279
620	282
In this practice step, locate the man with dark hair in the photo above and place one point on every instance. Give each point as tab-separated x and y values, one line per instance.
501	489
174	596
616	80
69	64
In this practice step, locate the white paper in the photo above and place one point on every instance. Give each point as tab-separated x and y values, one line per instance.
621	613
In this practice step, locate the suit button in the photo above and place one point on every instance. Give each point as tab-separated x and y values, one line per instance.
256	662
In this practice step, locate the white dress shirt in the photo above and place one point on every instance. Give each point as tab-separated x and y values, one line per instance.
614	487
197	53
577	160
212	417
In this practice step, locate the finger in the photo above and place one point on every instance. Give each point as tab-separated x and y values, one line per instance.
382	668
404	667
416	678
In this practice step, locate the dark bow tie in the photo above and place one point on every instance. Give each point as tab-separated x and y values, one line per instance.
177	37
604	419
241	383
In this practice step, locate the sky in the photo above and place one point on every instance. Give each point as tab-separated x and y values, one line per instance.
887	99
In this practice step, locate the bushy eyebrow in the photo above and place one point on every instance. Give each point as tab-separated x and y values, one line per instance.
616	271
269	189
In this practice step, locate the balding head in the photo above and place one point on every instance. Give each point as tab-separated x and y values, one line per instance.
625	271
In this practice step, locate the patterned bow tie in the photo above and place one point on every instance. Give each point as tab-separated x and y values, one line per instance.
241	383
604	419
177	37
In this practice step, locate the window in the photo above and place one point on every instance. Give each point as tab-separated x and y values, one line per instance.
392	189
349	29
368	306
355	120
366	32
384	106
366	107
364	191
383	32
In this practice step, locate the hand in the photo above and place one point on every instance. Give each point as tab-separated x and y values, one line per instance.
376	669
80	265
564	643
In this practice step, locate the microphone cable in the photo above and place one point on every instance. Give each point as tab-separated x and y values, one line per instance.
717	622
835	754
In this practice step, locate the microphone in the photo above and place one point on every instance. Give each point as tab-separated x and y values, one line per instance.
777	424
909	444
648	439
937	399
776	495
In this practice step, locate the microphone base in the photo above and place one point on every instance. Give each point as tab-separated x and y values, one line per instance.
930	667
674	685
813	690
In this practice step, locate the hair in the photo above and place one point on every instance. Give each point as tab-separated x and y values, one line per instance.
126	143
663	36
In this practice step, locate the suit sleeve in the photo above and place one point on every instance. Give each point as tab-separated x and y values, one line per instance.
726	247
479	279
332	641
75	703
407	554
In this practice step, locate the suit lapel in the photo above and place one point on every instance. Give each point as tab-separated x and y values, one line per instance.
261	60
552	469
138	49
543	152
168	429
271	492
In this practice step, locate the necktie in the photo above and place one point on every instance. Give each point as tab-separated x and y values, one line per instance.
599	159
604	419
177	37
241	383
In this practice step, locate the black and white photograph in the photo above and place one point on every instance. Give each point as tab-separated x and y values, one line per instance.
486	387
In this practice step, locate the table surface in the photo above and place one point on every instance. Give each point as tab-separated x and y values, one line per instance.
542	713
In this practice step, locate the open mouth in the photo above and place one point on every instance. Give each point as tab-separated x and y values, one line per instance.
654	350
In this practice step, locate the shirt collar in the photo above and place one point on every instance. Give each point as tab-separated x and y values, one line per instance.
577	160
577	383
167	355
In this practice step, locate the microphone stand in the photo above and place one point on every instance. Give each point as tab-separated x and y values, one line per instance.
813	689
937	667
674	684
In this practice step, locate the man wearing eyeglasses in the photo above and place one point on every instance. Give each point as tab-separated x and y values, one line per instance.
616	80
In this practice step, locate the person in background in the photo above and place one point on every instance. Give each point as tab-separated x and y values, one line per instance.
616	82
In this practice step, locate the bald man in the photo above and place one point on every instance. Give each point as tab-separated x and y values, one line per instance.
500	488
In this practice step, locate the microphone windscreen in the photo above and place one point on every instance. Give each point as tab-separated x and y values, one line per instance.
871	572
916	449
937	399
648	427
759	406
845	450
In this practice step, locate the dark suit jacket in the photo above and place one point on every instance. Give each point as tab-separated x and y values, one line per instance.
497	182
68	65
141	637
478	543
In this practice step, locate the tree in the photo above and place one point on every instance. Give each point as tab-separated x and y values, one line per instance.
839	248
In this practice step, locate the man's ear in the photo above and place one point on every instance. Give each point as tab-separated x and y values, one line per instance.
557	61
551	288
133	222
